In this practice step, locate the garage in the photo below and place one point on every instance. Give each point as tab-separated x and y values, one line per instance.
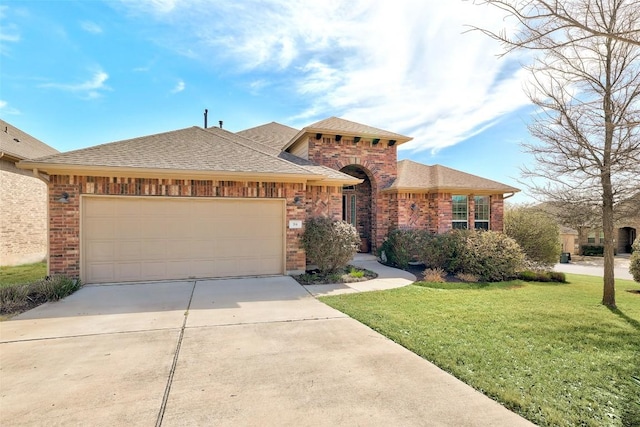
163	238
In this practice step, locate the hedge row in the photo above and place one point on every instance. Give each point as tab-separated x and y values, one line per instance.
488	255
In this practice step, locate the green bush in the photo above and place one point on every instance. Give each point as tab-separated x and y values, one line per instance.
440	251
634	261
330	244
491	256
589	250
542	276
403	246
536	232
16	298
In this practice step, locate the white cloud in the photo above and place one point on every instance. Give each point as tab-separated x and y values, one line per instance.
91	27
179	87
405	65
90	89
6	109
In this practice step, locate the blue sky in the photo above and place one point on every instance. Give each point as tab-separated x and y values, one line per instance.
81	73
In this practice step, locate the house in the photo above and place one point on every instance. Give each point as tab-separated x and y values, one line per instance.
23	199
581	227
206	202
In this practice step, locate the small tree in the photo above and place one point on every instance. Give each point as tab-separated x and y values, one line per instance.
634	266
330	244
536	232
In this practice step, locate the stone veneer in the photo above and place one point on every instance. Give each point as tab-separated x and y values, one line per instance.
64	219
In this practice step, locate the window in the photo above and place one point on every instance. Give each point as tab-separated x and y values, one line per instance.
459	217
481	216
591	237
349	208
602	237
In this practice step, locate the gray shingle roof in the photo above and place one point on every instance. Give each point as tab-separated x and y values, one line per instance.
416	176
272	134
190	149
21	145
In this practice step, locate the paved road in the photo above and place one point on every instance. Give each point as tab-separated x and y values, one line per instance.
594	267
219	352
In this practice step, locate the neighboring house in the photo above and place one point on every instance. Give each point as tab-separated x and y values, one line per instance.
211	203
23	199
575	237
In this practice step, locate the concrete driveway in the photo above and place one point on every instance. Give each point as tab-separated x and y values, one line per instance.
219	352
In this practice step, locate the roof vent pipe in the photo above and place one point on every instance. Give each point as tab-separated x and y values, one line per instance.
205	117
220	121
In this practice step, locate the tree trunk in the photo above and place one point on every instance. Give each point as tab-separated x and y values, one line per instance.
609	291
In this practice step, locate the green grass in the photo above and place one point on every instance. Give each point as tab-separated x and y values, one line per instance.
22	274
550	352
24	287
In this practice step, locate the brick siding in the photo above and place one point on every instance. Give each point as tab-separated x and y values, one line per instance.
64	221
378	162
23	216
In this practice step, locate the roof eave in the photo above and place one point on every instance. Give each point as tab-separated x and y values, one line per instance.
66	169
450	190
400	139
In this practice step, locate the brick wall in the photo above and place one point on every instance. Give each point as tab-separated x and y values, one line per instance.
64	222
496	213
378	162
23	216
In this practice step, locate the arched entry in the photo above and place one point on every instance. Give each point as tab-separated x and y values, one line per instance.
626	237
357	206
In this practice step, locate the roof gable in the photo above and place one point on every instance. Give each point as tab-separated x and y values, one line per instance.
20	145
272	134
413	176
338	126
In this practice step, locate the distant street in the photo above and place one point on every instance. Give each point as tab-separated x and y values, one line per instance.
593	266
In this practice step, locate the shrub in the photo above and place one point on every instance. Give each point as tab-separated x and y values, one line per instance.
634	261
589	250
403	246
439	251
542	276
330	244
536	232
434	275
15	298
489	255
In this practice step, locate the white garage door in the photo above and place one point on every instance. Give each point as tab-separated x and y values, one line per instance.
133	239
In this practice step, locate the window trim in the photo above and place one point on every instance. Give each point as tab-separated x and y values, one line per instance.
459	224
477	221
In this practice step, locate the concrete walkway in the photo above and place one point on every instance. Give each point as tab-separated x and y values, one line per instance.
252	351
594	266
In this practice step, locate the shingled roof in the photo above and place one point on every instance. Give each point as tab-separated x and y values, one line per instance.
19	145
272	134
193	150
416	177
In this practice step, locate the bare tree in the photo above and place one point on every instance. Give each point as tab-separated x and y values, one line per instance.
585	79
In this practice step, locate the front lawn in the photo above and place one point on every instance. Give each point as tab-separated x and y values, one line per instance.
20	274
550	352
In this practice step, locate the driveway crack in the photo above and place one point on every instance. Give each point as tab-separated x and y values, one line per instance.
167	389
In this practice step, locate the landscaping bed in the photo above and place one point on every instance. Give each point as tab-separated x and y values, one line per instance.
349	274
